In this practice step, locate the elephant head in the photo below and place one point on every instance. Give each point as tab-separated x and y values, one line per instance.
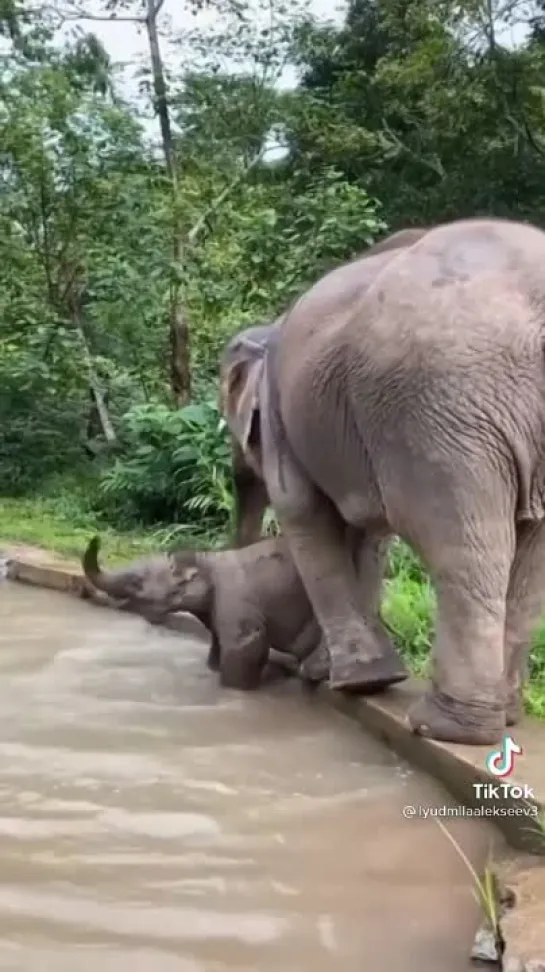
155	586
241	368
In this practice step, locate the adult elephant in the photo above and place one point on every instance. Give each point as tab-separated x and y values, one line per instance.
237	376
414	404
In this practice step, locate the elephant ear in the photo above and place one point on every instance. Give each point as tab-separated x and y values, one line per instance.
240	403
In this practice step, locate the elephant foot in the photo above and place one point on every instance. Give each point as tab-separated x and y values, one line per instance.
315	668
439	716
352	670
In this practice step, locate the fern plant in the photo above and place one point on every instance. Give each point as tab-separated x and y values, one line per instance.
174	468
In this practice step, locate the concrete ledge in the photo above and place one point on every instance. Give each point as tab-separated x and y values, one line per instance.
458	768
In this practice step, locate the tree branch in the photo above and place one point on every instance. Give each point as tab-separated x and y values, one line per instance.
160	91
220	199
94	384
78	14
525	131
434	164
46	253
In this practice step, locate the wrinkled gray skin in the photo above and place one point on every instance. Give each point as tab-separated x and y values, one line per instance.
405	394
250	491
251	601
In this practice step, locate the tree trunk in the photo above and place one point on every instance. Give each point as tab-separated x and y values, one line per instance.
180	368
94	384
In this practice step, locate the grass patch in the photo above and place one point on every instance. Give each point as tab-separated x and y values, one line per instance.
63	521
535	690
40	523
409	609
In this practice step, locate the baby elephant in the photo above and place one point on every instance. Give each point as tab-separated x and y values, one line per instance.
251	600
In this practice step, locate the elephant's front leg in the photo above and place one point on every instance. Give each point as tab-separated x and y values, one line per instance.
369	552
362	657
251	500
244	647
525	604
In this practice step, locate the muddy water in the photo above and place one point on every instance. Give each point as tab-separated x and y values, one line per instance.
151	822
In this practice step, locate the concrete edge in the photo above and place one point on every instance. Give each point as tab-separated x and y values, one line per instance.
457	768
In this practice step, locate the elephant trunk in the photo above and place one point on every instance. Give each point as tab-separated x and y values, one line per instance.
113	583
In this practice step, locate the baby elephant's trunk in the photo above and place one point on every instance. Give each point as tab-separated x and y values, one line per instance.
113	583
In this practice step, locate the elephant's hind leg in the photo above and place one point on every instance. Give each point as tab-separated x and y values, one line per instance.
525	604
468	542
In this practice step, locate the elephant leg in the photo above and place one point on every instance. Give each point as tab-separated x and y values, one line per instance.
369	551
362	657
244	646
468	543
305	641
251	500
525	604
283	661
315	668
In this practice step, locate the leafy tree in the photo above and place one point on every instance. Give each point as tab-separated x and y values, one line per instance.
87	268
74	244
426	105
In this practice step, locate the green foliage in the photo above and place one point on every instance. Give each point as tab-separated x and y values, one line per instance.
430	104
409	606
267	247
80	258
62	524
406	114
175	468
86	268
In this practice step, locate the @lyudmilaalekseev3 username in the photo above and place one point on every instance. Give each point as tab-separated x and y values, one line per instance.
500	763
411	811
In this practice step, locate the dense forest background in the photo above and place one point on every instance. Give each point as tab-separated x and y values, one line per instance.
123	270
125	265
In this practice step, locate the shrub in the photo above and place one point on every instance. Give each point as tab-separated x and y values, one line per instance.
174	468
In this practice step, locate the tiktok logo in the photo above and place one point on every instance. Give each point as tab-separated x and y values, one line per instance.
501	762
